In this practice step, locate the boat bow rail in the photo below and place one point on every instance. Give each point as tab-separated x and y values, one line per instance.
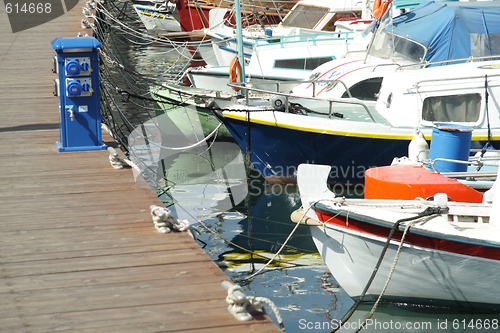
280	101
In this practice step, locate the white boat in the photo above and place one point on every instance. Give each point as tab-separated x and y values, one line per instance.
158	18
306	17
290	50
290	58
441	253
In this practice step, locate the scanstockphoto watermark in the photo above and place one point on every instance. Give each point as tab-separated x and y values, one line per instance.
436	325
371	324
353	171
344	179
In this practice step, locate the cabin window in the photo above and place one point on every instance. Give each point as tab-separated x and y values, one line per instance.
301	63
366	90
455	108
305	16
482	45
330	26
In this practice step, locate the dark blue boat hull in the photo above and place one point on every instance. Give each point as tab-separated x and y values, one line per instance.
277	152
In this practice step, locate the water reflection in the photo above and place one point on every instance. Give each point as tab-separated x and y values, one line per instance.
307	295
264	230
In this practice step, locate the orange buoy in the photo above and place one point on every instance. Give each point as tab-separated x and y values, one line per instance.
406	182
234	72
379	8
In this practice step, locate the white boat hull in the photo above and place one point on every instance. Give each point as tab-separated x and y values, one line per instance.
423	276
157	23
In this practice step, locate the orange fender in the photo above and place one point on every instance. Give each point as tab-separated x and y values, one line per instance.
379	9
234	72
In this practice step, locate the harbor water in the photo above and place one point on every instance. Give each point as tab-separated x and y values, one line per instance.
242	222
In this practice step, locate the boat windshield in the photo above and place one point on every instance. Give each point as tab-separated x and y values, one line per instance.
387	45
304	16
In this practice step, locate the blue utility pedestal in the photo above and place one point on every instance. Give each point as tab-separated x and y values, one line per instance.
77	64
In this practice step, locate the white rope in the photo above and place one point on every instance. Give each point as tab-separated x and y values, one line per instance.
253	302
191	146
165	223
336	200
391	271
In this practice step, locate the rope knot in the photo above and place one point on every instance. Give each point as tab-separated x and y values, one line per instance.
241	305
165	223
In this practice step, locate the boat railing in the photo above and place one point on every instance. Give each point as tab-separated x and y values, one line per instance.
419	84
285	97
279	84
386	65
313	38
449	61
478	160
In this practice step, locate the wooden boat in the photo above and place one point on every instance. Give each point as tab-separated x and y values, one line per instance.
194	15
449	252
169	17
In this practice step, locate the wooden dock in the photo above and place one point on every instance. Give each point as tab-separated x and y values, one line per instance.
78	250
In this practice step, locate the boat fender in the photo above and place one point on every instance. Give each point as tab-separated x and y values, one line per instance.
277	102
418	149
234	72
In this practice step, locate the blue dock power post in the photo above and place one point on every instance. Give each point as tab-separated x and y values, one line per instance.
76	62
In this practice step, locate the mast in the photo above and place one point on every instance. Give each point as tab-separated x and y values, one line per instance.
239	39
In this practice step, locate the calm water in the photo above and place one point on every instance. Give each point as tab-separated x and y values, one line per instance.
242	222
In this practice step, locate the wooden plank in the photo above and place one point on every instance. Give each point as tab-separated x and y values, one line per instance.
102	297
196	316
78	250
172	272
18	255
101	262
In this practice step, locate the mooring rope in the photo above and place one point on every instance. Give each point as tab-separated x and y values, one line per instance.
337	200
391	271
253	302
429	211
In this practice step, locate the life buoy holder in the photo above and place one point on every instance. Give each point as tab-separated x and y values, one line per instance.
234	72
379	8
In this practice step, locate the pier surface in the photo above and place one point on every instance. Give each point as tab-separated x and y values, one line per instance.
78	250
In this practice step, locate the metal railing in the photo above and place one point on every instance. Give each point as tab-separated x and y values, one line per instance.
247	87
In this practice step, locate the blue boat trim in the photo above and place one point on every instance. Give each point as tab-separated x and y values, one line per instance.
233	51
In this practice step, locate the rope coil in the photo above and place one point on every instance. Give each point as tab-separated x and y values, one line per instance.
165	223
241	305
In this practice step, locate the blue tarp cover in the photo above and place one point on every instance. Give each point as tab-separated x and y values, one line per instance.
452	30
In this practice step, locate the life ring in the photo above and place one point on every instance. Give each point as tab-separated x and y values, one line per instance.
234	72
379	8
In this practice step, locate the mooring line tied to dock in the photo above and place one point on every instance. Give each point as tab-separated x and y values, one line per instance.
165	222
242	306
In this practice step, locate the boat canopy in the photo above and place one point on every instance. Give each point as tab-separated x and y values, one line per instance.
440	31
